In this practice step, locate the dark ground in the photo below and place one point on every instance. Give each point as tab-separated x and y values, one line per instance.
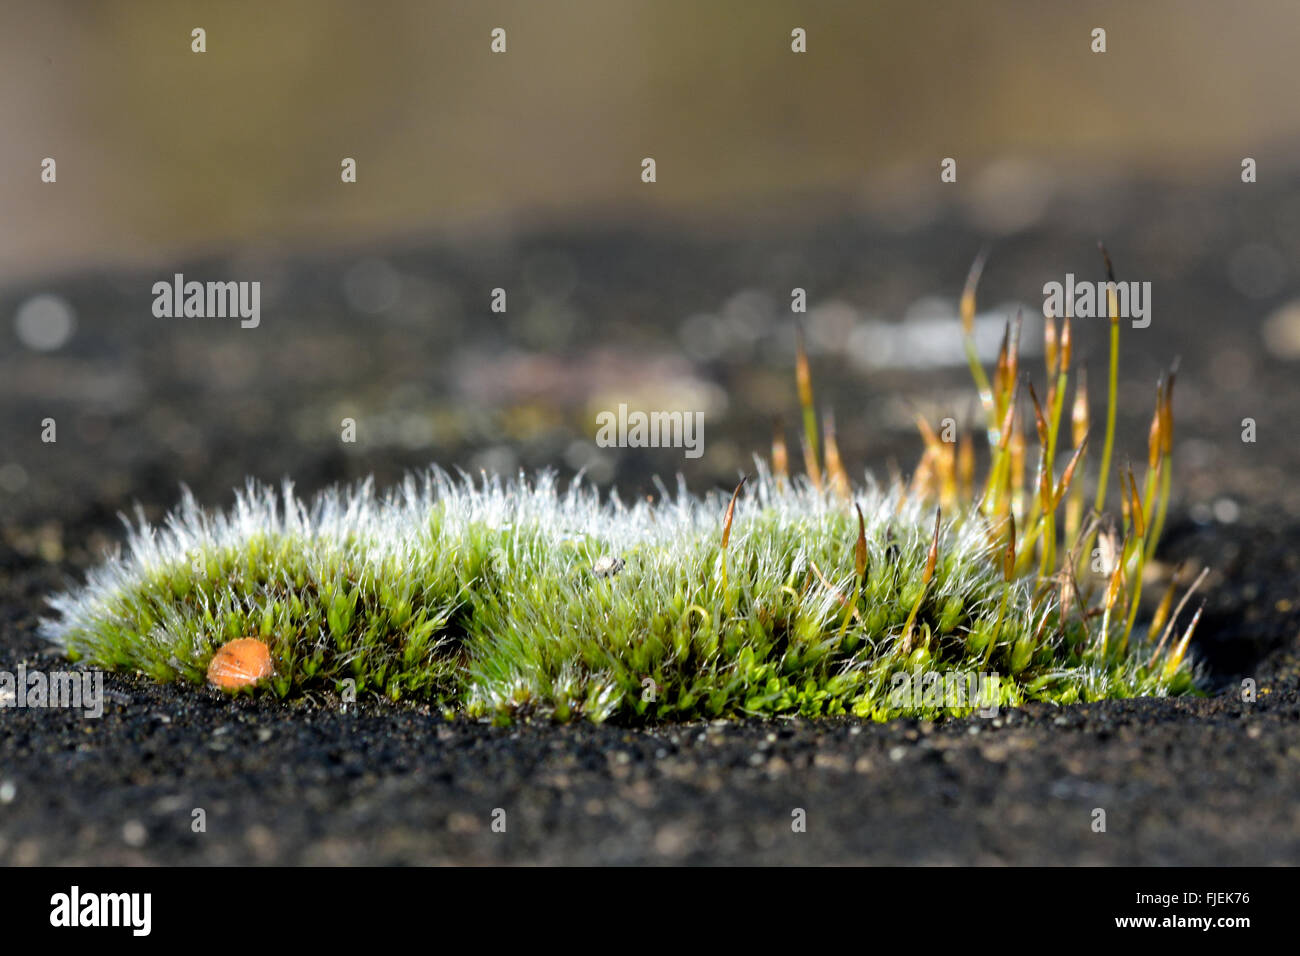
144	404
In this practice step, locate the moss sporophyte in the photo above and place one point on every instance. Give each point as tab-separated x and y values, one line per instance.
808	595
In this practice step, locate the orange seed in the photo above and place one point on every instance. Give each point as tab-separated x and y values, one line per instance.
240	663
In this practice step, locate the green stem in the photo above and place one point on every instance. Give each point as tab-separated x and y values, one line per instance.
985	389
1112	393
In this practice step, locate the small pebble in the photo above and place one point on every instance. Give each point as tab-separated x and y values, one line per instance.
134	833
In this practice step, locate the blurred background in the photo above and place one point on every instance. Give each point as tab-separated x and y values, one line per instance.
522	170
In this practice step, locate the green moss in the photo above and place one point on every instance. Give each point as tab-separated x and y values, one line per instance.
505	600
437	594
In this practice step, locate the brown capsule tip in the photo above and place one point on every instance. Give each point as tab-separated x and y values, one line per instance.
1112	589
1110	272
1167	412
240	663
1135	509
1154	439
780	456
932	558
802	371
731	512
1040	423
968	293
